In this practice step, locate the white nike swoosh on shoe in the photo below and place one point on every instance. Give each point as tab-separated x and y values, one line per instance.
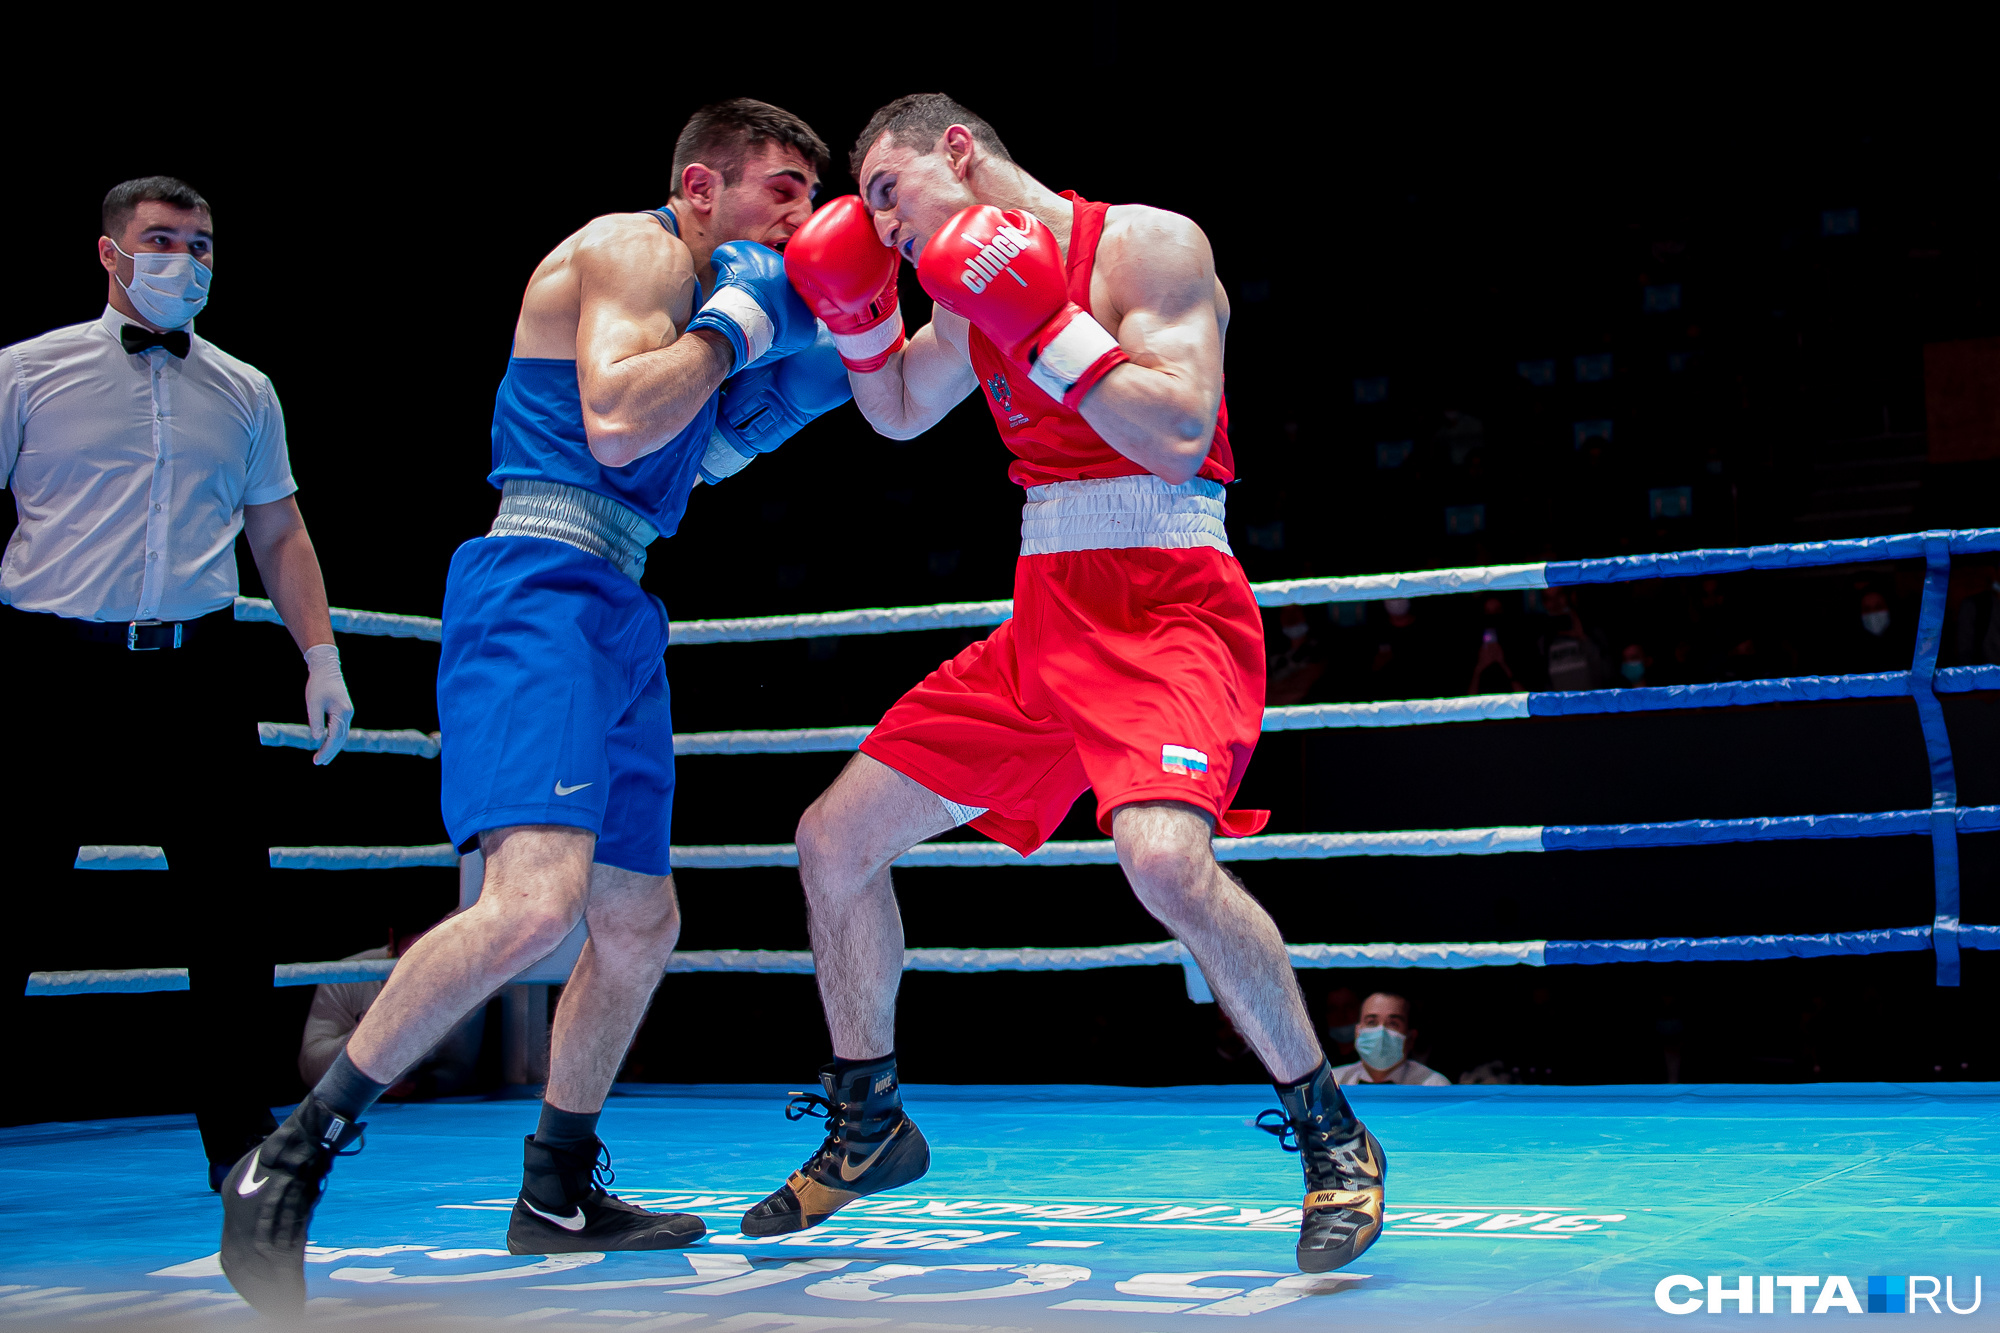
249	1185
566	1223
564	791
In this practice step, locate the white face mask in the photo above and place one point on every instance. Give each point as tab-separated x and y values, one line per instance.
1379	1048
167	290
1298	631
1875	622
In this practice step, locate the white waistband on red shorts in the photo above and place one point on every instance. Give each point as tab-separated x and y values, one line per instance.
1108	513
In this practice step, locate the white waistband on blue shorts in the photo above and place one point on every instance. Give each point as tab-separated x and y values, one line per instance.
1110	513
575	517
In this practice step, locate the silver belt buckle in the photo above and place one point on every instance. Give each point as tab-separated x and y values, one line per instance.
132	636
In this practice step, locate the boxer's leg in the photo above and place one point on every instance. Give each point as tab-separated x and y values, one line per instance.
847	839
1164	847
537	882
870	816
563	1207
634	923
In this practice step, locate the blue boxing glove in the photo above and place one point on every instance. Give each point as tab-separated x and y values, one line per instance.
754	306
764	407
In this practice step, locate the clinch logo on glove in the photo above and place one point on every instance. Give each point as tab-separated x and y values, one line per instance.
993	258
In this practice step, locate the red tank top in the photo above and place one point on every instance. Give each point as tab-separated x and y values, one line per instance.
1051	442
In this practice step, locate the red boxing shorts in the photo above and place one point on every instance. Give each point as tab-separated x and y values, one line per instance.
1136	672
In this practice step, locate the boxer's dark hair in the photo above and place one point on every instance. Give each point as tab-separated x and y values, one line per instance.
124	200
725	135
922	119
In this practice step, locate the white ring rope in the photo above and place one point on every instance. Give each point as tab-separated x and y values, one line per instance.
801	740
296	736
843	740
930	855
347	620
129	981
1423	583
1439	842
956	615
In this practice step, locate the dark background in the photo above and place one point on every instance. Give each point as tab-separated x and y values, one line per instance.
1376	215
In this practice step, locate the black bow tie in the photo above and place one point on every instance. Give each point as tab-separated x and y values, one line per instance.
137	340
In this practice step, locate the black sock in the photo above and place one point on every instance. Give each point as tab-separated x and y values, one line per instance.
346	1091
568	1131
1319	1083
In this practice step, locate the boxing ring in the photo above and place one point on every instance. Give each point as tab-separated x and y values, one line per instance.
1530	1207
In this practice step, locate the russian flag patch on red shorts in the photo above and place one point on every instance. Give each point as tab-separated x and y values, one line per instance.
1181	759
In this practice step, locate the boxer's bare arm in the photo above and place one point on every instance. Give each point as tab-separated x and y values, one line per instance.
1154	288
620	290
929	377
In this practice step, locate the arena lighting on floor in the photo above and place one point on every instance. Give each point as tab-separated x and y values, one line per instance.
1922	683
1063	1209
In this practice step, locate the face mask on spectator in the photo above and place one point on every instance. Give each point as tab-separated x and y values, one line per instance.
1298	631
1397	606
1342	1035
1380	1048
1632	671
1875	622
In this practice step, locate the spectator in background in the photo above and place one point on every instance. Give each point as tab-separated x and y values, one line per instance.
1572	655
1977	642
1873	641
338	1007
1297	659
1383	1036
1343	1012
1407	657
1635	666
1491	673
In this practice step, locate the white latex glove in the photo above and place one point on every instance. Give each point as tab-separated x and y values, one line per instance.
328	709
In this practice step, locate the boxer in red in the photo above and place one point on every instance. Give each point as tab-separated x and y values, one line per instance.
1134	664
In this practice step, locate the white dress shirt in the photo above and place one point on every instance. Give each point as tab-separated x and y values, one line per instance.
1408	1072
130	472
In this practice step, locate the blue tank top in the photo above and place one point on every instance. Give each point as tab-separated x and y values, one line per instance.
538	435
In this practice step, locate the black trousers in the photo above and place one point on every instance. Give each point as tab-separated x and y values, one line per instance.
106	745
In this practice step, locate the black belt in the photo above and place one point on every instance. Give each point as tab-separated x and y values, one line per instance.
137	636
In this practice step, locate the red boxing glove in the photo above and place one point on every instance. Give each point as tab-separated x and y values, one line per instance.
844	272
1003	271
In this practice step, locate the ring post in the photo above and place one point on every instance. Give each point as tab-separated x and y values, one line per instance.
1937	748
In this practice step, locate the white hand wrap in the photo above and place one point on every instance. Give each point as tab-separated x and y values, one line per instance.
741	309
1070	355
722	459
871	342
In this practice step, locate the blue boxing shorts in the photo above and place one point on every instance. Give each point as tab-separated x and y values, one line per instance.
552	699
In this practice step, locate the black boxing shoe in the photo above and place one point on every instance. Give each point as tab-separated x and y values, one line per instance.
1344	1166
267	1205
565	1209
870	1146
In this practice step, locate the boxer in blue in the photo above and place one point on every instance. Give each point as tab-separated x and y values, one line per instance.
653	350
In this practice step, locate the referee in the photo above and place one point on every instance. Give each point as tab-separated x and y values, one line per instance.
136	451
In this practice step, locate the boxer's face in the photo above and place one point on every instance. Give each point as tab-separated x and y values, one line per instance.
770	199
912	192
